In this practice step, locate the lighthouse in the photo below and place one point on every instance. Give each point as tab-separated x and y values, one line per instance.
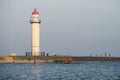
35	21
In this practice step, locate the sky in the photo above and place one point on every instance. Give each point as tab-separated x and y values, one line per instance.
68	27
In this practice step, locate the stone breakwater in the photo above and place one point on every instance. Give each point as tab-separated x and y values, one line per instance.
30	59
40	59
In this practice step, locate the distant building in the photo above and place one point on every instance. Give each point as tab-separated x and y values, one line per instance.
13	54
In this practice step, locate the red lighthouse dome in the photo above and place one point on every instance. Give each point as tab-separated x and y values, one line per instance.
35	12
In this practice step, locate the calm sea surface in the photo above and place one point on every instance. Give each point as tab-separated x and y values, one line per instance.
47	71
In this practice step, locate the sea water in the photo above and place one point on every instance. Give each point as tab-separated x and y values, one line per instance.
51	71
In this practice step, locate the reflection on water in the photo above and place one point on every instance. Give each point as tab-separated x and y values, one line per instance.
45	71
35	70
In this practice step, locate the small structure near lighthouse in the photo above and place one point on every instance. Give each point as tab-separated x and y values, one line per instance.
35	33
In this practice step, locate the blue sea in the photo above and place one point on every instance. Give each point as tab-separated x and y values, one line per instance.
51	71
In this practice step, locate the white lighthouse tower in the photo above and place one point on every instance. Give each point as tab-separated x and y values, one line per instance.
35	33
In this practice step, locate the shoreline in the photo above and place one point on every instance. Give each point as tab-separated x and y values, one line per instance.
51	59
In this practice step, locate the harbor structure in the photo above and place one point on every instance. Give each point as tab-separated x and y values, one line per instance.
35	21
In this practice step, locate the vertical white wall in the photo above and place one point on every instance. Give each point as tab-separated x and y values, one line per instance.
35	35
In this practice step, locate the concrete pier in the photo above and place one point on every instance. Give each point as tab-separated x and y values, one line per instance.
51	59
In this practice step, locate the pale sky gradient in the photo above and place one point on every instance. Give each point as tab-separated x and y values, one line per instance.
69	27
